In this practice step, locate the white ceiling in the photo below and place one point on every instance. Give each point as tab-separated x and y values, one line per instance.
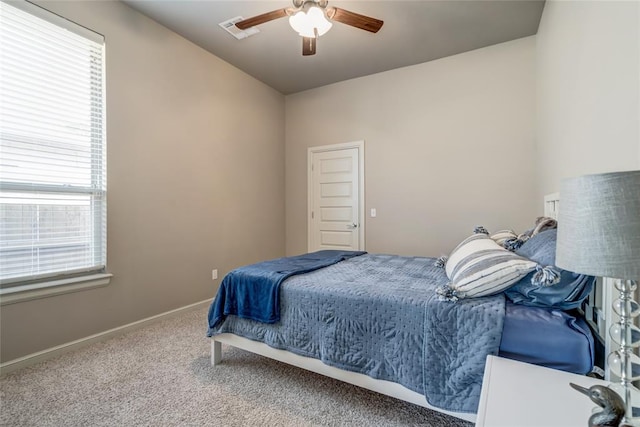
413	32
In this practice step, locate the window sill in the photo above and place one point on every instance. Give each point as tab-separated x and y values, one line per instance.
22	293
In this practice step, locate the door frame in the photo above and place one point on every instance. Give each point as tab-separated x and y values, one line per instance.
361	214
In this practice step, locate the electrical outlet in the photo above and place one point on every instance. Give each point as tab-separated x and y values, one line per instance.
214	274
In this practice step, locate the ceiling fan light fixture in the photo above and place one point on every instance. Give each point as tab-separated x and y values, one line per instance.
312	19
305	24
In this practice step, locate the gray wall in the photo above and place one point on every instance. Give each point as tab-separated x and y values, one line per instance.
588	101
449	144
196	181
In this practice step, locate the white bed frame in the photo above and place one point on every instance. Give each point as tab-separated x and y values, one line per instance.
314	365
597	308
601	299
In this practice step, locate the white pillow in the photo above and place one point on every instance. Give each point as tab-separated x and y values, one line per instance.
479	267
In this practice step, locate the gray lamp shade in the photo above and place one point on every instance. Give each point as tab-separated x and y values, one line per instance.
599	225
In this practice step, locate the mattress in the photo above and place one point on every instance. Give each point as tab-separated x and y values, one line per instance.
547	337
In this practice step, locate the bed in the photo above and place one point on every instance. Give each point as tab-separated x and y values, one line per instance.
380	322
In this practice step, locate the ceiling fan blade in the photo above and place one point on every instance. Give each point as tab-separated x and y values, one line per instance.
308	46
354	19
261	19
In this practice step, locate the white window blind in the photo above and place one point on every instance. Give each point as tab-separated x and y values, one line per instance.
52	146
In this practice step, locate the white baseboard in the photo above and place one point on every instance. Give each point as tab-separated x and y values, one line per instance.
41	356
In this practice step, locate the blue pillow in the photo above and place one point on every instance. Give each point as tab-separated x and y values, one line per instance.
566	295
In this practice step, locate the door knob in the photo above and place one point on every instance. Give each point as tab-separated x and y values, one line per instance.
352	226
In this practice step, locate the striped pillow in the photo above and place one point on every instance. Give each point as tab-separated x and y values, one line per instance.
500	237
480	267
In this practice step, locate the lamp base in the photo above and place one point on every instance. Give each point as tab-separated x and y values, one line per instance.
634	419
623	362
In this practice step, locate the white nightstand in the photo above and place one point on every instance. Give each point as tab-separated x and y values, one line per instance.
516	394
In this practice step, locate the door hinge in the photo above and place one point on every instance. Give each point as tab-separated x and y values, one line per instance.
312	216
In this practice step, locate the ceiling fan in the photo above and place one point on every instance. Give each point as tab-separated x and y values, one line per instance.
311	19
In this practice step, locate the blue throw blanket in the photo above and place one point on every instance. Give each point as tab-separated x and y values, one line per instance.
253	291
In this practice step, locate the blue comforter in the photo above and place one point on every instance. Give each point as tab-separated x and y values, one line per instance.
379	315
253	291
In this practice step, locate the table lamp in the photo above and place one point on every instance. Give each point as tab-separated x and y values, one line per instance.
599	235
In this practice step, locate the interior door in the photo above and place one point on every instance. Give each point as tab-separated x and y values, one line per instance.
335	220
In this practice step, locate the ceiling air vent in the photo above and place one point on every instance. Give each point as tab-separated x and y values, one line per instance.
230	27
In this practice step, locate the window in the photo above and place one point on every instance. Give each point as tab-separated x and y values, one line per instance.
52	148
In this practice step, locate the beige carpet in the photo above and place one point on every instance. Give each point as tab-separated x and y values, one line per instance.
161	376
